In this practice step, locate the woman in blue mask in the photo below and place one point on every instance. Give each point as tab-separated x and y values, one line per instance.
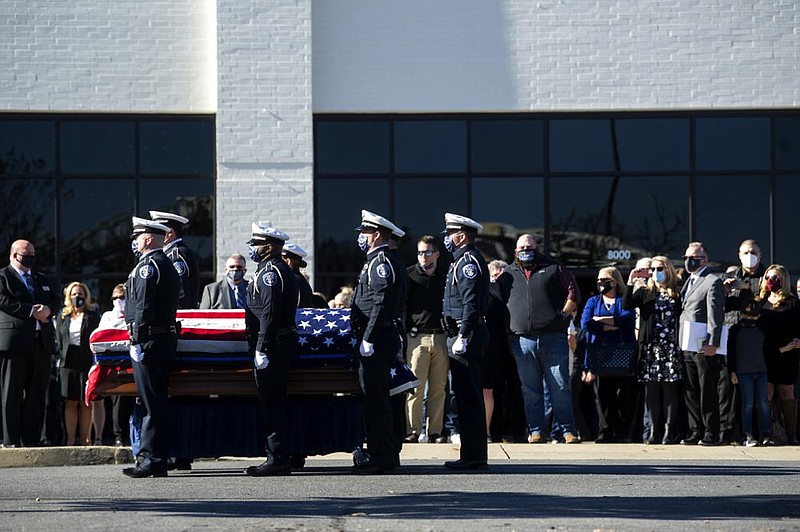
657	295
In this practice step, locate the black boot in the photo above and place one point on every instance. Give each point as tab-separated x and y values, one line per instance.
272	467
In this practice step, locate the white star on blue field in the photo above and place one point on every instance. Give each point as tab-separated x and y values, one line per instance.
323	331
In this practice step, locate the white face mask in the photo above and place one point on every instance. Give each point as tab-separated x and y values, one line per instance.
119	306
750	260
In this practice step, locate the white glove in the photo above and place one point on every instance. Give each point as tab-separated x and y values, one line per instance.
460	345
136	352
261	360
366	348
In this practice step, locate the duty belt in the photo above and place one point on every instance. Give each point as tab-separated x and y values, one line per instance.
165	329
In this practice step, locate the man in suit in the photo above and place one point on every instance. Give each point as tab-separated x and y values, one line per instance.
703	302
230	292
27	344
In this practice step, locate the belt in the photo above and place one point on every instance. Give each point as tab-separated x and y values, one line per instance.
431	331
284	330
163	329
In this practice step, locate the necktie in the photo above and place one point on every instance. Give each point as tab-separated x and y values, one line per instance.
240	301
28	282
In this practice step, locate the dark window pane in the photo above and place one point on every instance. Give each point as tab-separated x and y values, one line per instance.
178	148
653	144
337	256
581	146
420	204
27	212
507	146
732	209
430	147
352	147
98	148
596	221
787	205
96	226
194	199
787	139
27	147
733	144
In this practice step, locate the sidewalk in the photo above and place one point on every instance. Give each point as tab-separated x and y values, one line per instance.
498	453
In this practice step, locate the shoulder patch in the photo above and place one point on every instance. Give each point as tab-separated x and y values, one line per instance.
270	278
146	271
382	270
470	271
180	267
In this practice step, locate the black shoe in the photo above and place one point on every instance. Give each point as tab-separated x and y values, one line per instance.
372	468
118	443
464	465
709	442
179	464
670	441
411	438
145	471
297	461
270	468
694	439
604	439
437	438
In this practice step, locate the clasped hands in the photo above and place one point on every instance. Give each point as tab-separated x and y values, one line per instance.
41	312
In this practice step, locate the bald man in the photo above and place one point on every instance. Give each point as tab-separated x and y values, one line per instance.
27	342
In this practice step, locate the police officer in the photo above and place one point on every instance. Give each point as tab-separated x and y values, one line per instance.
294	256
465	302
151	301
183	258
270	316
398	398
374	309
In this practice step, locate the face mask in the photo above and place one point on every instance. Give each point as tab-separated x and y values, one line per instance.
135	249
78	301
26	260
448	244
235	275
363	245
119	306
526	255
750	261
693	264
660	277
604	288
774	285
430	266
253	254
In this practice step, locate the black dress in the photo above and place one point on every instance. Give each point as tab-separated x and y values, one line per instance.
780	325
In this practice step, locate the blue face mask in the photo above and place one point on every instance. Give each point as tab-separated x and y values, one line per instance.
253	254
448	244
660	277
135	249
526	255
235	275
363	245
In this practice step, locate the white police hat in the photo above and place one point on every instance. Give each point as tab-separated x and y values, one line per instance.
145	226
295	252
456	222
398	233
167	217
370	220
263	233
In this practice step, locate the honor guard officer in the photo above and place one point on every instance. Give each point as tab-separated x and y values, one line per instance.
271	307
375	303
183	258
398	399
151	301
465	302
294	256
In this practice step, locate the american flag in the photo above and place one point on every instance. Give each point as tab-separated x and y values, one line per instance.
324	332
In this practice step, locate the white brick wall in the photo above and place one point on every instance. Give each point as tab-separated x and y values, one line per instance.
264	122
108	55
518	55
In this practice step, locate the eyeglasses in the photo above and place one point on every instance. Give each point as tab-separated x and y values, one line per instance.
426	253
773	278
656	269
118	297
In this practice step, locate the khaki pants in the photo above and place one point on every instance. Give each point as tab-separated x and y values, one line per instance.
429	362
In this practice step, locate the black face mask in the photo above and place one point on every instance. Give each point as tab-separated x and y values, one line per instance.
78	302
26	260
693	264
604	288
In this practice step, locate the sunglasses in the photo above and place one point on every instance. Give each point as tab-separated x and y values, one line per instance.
605	280
118	297
656	269
773	278
426	253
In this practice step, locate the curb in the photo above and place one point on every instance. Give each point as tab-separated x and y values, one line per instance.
64	456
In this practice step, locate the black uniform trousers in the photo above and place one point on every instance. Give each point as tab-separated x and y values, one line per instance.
469	396
24	376
271	387
377	405
701	394
152	381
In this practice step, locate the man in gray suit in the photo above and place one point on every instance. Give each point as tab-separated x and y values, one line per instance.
230	292
703	302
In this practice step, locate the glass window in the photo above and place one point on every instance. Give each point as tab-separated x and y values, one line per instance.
27	212
96	225
192	198
177	147
787	204
420	204
581	146
430	146
731	209
98	147
733	143
653	144
507	145
27	147
360	147
787	140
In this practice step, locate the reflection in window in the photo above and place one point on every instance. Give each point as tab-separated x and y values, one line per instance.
177	147
338	258
98	147
733	143
507	146
787	202
787	143
653	144
592	216
95	225
27	212
430	146
722	228
360	147
27	147
581	146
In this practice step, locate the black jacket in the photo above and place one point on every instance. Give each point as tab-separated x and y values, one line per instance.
185	262
378	295
91	320
535	304
424	301
645	301
271	304
466	291
151	297
17	327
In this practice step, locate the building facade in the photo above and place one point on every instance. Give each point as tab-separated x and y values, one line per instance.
610	129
